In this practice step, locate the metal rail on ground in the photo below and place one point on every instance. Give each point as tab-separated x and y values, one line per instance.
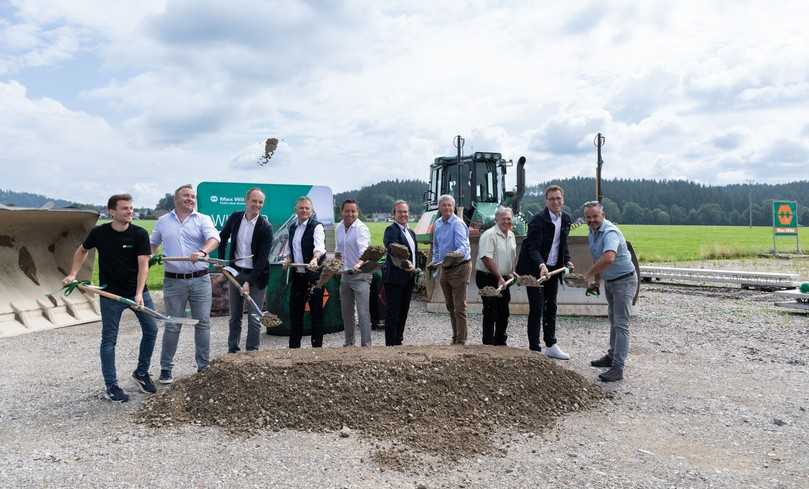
795	300
755	280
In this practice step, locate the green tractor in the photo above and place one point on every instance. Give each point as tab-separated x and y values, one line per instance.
477	182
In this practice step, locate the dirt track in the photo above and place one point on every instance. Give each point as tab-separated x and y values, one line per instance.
716	395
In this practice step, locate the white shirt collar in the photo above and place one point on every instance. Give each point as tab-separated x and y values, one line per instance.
301	224
174	211
251	221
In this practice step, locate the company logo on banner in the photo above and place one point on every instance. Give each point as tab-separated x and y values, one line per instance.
220	199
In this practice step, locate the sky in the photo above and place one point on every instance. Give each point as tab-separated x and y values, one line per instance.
101	97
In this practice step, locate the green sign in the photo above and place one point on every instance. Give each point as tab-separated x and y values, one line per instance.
785	217
220	199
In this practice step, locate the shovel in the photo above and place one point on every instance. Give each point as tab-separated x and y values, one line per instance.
495	292
86	287
265	318
159	259
534	282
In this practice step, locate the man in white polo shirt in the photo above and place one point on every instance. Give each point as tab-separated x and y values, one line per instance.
185	232
497	255
352	238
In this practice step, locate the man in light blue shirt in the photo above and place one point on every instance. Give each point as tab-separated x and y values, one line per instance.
185	232
451	248
613	263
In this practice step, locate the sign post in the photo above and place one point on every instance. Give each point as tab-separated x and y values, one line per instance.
785	222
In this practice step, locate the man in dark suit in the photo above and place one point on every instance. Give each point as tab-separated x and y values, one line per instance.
397	279
250	235
544	250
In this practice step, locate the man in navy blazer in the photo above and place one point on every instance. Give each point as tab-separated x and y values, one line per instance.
250	236
543	250
398	282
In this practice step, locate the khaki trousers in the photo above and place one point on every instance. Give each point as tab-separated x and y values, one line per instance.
453	283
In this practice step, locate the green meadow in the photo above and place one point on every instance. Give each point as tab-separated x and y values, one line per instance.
651	243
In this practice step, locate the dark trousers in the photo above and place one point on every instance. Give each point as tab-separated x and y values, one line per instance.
397	303
302	293
542	309
495	310
373	302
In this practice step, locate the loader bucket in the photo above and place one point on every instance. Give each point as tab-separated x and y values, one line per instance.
571	301
36	252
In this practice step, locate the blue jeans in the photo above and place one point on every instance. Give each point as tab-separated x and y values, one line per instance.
177	293
619	306
110	318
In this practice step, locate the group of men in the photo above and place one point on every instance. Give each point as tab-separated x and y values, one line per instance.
543	251
125	250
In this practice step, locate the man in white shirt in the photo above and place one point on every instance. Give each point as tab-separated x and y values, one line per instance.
250	235
307	244
185	232
497	256
352	237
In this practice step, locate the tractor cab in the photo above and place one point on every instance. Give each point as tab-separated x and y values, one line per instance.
477	182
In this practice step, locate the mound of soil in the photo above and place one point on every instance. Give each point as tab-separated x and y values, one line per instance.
445	401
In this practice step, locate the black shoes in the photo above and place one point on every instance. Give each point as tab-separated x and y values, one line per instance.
612	375
165	377
144	383
116	394
604	362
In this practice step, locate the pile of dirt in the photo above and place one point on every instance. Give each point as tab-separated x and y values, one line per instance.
444	401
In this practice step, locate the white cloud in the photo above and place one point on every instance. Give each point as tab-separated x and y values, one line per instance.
361	91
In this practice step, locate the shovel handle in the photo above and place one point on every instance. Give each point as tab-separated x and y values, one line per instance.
499	289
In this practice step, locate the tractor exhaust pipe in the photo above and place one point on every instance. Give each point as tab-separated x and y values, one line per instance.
520	191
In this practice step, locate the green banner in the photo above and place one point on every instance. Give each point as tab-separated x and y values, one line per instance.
220	199
785	217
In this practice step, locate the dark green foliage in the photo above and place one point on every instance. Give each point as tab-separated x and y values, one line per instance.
380	197
677	201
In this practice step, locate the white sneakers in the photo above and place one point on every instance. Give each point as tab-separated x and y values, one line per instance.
556	352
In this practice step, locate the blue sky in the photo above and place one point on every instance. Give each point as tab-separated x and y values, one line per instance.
101	97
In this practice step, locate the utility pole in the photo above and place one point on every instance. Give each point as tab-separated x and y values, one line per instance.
458	142
750	203
599	143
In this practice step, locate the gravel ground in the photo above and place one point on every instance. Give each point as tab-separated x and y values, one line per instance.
716	395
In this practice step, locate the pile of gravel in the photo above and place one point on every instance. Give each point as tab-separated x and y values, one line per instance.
443	401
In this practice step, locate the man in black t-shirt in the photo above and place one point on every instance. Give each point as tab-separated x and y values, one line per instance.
123	262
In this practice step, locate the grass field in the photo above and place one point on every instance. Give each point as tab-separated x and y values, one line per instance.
651	243
684	243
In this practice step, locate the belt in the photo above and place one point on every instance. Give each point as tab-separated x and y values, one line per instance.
457	265
626	275
186	276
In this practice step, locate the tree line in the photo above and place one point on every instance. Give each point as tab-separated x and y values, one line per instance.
666	202
626	201
379	197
